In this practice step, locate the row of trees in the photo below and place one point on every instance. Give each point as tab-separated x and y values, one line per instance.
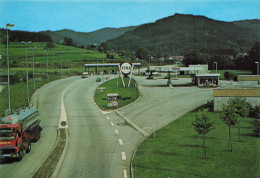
246	62
236	109
19	36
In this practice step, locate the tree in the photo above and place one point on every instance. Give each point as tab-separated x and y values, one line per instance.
142	53
242	109
229	116
196	57
49	45
203	125
254	56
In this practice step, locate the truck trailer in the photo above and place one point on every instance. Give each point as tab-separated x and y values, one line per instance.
17	131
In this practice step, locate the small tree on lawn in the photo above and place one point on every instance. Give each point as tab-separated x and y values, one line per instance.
203	125
229	116
242	109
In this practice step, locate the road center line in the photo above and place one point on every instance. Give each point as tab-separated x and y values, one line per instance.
116	131
112	124
125	174
107	118
123	156
120	141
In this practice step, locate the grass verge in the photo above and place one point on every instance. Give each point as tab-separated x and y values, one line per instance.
176	151
18	94
125	95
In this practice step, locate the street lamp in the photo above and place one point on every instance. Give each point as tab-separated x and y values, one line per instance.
33	67
216	66
47	64
257	72
27	75
53	64
61	65
9	99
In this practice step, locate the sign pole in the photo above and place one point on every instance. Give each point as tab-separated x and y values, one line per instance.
132	68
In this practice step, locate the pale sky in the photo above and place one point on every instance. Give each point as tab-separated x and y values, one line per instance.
91	15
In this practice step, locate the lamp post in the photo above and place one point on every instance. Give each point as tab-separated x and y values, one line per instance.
47	64
33	67
27	75
9	99
257	72
61	66
216	67
68	64
53	65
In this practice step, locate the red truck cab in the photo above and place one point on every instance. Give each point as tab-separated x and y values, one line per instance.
17	131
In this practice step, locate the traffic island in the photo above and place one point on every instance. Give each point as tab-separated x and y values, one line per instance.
114	95
49	166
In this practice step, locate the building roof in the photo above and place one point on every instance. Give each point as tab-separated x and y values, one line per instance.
108	64
207	75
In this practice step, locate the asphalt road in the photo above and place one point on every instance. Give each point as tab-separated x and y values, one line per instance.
101	144
49	108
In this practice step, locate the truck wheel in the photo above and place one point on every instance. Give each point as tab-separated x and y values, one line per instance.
29	146
37	137
21	154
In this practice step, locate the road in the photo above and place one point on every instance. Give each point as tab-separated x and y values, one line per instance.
101	144
49	108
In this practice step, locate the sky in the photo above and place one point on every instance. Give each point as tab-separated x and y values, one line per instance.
91	15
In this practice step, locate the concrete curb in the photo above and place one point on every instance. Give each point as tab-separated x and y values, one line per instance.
54	146
64	152
132	124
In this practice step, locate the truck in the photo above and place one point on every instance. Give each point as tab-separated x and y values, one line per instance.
17	131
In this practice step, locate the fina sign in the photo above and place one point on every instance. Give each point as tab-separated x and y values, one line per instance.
126	68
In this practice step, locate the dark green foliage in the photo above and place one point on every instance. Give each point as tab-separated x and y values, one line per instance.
196	57
256	125
142	53
19	36
255	57
49	45
227	75
95	37
255	112
203	124
68	41
179	34
102	48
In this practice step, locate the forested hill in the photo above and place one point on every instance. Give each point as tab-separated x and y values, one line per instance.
95	37
18	36
179	33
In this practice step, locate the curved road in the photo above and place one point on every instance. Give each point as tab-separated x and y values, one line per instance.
101	144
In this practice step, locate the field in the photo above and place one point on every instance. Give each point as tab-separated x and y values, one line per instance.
18	94
65	57
176	151
126	95
62	61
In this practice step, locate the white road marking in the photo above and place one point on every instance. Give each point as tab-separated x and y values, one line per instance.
125	174
123	156
120	141
112	124
116	131
107	118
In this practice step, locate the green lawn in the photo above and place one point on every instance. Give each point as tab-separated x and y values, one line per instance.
126	95
235	72
176	151
68	55
18	94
